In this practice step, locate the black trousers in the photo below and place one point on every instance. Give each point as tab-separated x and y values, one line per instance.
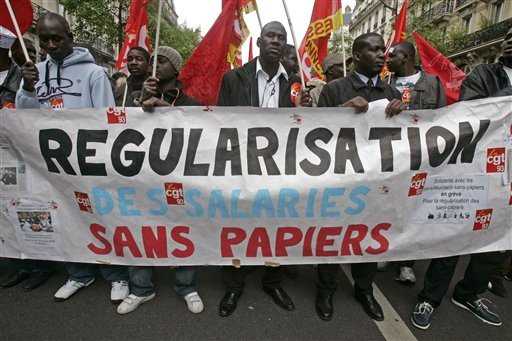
31	265
234	278
440	272
363	274
407	263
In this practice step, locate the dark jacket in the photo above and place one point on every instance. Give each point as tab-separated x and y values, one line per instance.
486	80
10	86
428	93
178	98
339	91
240	88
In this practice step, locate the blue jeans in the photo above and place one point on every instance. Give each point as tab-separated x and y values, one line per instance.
141	285
84	272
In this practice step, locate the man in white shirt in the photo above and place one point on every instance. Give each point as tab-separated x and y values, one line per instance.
263	82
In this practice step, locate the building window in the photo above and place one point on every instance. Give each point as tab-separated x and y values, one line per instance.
496	12
62	10
466	22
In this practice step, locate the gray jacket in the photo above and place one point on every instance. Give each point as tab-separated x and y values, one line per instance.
10	86
428	93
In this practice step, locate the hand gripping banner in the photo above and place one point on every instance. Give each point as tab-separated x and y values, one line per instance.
221	186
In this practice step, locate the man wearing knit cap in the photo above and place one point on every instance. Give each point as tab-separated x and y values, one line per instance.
165	89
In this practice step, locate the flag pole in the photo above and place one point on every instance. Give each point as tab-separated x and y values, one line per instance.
258	14
17	27
157	39
295	43
125	94
343	54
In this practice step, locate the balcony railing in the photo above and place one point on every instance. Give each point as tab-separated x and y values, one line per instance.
439	10
462	3
485	35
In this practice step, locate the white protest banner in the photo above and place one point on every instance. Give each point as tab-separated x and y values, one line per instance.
196	186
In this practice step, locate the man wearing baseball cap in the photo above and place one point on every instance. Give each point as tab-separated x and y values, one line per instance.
333	69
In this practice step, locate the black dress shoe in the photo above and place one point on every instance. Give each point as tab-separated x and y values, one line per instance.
497	288
280	297
323	306
14	279
370	306
228	303
36	279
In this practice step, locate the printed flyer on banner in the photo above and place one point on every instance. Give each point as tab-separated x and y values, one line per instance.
12	171
251	186
449	199
37	227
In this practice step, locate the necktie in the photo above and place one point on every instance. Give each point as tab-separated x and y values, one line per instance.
369	83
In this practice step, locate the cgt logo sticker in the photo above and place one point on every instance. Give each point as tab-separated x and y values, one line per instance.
115	116
482	219
417	184
174	193
495	160
82	199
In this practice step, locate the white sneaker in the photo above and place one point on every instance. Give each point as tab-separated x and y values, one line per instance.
69	289
132	302
406	275
194	303
119	291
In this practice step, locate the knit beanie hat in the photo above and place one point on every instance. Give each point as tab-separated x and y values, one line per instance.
171	54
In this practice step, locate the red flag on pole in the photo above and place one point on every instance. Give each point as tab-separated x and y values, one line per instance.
400	25
251	57
435	63
136	31
22	10
326	18
202	74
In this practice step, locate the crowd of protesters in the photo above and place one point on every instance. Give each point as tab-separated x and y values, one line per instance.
263	82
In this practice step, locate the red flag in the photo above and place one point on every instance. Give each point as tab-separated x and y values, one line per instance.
435	63
22	11
136	31
250	50
400	24
325	19
202	74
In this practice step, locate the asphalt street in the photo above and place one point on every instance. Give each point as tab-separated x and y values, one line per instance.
90	316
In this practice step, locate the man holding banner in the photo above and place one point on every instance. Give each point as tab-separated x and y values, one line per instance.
69	79
357	90
263	82
486	80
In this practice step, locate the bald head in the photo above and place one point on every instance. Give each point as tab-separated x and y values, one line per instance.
51	18
273	25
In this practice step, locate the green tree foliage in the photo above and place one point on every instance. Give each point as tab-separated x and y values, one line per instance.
180	37
98	18
105	19
336	46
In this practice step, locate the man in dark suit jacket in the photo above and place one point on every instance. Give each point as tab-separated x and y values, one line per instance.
356	90
263	82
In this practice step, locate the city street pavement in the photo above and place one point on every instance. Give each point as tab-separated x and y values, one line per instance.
90	316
